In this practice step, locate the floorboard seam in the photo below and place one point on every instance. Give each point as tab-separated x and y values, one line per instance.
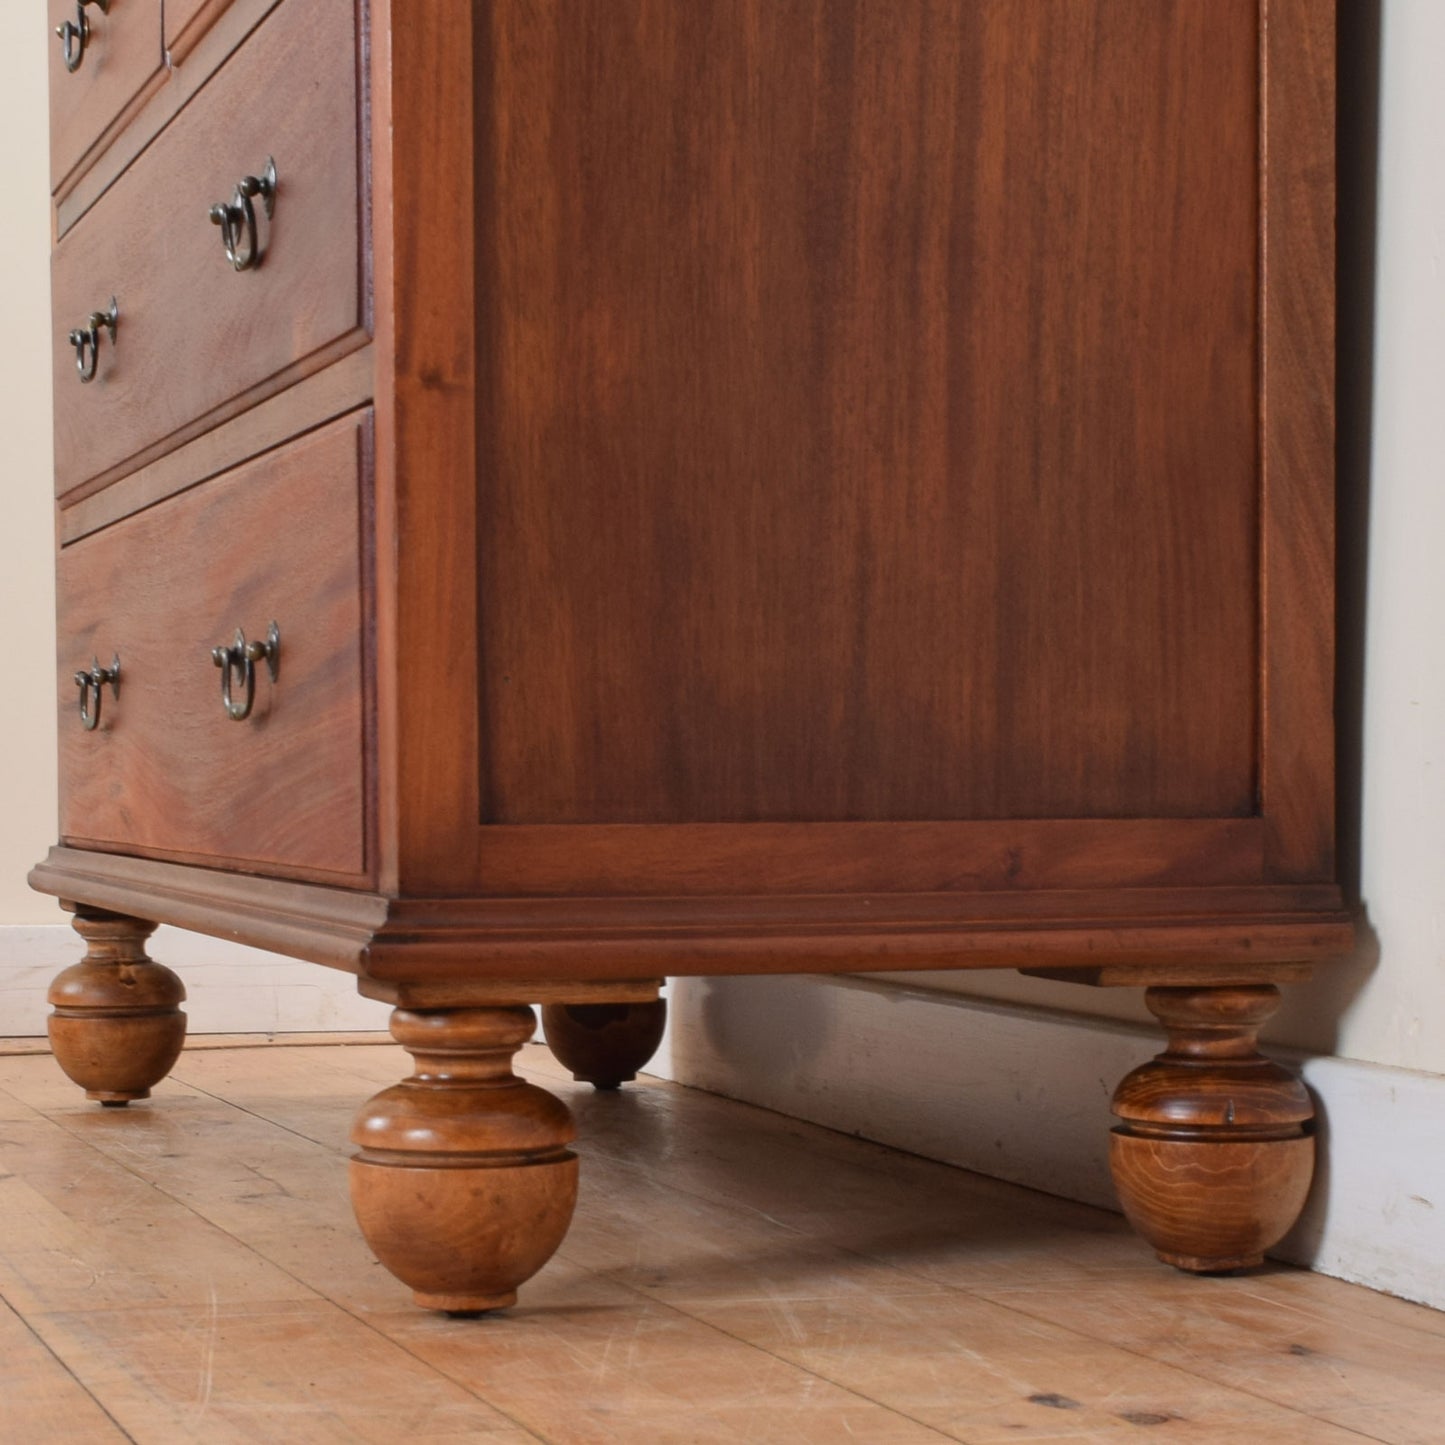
64	1365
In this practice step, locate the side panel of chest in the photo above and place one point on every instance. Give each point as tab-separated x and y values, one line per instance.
868	416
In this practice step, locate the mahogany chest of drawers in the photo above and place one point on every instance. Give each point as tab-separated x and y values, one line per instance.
555	495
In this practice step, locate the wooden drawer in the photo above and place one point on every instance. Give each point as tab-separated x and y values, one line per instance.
186	21
121	60
195	335
167	772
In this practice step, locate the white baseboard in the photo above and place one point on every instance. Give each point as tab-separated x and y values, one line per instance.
229	989
1023	1094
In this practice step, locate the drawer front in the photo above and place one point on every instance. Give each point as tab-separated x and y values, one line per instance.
166	770
119	61
186	21
192	332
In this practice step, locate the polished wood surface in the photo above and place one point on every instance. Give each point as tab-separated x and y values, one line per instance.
1297	773
120	66
167	770
116	1025
192	331
731	1271
462	1183
1214	1151
849	487
315	399
833	470
604	1044
434	486
183	81
454	944
424	219
186	21
1024	856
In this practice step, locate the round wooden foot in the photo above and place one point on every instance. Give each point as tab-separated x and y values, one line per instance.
116	1026
1213	1155
604	1044
463	1184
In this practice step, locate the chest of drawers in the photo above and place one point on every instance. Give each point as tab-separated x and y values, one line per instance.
557	495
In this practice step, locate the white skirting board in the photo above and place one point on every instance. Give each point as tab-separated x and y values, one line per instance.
1023	1094
229	989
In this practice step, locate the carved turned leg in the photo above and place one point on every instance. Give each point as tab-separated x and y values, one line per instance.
463	1185
604	1044
117	1027
1213	1155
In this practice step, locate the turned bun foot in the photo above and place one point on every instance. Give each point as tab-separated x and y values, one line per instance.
604	1044
117	1028
1213	1155
463	1185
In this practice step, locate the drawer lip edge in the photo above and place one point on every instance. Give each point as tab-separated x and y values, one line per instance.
325	396
357	338
321	924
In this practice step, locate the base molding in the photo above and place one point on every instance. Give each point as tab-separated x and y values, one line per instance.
1023	1095
1239	934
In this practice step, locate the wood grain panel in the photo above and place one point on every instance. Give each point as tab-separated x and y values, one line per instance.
1298	753
193	333
316	399
868	410
424	218
839	858
121	65
278	539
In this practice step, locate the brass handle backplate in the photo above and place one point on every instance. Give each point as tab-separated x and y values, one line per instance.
75	33
86	340
91	683
237	219
241	657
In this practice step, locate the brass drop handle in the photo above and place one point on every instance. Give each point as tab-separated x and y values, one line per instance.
91	684
237	219
86	340
241	657
74	33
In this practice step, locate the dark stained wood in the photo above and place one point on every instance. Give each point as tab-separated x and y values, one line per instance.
424	216
463	1184
838	858
116	1026
167	771
164	104
315	399
122	65
1297	787
869	410
818	947
604	1044
1213	1156
326	925
506	992
186	21
1197	975
851	490
193	333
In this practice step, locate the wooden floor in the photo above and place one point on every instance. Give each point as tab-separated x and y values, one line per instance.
187	1269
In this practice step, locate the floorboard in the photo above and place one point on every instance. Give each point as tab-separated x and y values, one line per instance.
188	1269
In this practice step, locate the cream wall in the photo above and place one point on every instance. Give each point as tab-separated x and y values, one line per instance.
27	717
